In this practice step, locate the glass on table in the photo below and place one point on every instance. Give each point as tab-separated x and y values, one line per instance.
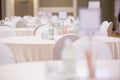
53	71
64	29
44	35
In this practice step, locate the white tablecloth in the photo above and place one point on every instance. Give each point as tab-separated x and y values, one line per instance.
113	43
29	48
39	70
24	31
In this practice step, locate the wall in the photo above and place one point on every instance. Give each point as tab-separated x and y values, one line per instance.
107	8
3	7
81	4
55	3
24	7
9	8
0	10
33	6
55	6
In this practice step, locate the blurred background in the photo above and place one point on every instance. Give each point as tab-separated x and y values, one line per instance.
8	8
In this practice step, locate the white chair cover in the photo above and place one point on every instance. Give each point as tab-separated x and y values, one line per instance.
10	23
6	31
105	24
6	56
41	29
99	49
21	24
16	19
7	19
105	29
57	49
27	17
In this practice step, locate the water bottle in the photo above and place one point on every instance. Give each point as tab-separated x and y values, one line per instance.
51	31
68	58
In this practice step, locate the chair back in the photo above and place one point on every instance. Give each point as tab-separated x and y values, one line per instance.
6	56
98	49
105	29
21	24
43	28
7	31
57	49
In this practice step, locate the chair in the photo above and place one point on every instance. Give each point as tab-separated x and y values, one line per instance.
6	56
41	29
27	17
57	49
15	19
9	23
99	49
21	24
7	31
7	19
105	29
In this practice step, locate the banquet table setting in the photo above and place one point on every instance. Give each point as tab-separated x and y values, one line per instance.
75	40
33	44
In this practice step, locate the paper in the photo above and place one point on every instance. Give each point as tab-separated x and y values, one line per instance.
94	4
89	19
62	14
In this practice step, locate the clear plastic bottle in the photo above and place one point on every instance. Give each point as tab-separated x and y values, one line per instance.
69	62
51	31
